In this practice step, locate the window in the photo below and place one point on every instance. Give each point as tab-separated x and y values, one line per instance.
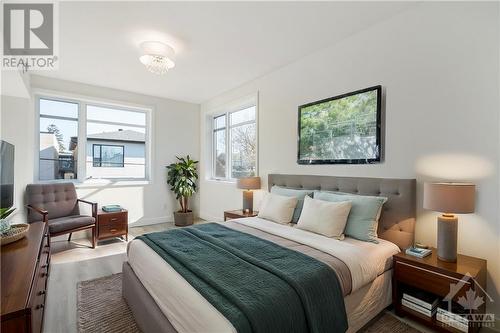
57	146
116	143
108	156
112	140
235	144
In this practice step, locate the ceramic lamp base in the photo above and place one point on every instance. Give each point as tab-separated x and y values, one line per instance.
447	238
248	201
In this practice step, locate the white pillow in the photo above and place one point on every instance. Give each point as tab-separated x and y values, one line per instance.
277	208
324	217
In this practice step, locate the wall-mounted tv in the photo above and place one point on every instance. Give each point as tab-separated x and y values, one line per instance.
344	129
6	174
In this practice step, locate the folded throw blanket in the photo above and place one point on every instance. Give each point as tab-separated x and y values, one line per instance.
257	285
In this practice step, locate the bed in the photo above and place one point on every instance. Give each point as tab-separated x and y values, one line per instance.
163	301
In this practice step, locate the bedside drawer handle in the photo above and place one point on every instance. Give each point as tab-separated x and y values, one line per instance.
41	292
113	230
114	219
435	273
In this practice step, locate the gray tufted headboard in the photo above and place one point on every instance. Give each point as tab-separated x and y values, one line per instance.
397	221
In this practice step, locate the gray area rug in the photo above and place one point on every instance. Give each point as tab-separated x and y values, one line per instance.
388	323
102	309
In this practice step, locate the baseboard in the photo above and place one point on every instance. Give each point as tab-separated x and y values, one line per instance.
210	218
151	220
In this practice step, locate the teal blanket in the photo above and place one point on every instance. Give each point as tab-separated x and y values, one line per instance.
257	285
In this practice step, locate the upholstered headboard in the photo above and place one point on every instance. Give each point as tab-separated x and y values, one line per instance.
397	221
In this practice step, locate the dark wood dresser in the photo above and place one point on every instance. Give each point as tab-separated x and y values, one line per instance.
25	270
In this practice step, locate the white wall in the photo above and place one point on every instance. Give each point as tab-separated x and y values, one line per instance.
439	65
15	118
175	130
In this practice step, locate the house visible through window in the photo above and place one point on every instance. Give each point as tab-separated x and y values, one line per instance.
114	144
234	144
117	138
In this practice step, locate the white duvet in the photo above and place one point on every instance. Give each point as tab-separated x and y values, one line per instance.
189	311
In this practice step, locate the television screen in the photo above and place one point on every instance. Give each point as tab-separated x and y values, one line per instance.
341	130
6	174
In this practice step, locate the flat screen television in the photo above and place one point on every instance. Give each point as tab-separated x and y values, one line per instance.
344	129
6	174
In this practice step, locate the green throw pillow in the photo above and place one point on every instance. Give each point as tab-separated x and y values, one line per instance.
363	219
299	194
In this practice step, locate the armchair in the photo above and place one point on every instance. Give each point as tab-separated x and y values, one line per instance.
58	206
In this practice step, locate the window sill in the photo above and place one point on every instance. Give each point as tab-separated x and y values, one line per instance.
89	183
221	181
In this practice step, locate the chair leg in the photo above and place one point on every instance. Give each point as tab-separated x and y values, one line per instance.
93	237
69	238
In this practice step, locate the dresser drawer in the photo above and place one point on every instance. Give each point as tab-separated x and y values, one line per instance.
112	230
38	293
434	282
38	301
113	219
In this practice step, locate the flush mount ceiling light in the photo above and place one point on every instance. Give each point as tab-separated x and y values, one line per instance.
157	57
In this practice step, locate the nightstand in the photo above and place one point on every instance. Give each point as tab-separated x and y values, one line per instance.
238	214
431	275
112	224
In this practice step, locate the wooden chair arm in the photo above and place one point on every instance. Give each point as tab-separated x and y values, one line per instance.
93	204
42	212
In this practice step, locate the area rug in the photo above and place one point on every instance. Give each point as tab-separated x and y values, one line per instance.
102	309
388	323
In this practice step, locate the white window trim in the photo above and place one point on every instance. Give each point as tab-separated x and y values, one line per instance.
226	110
83	101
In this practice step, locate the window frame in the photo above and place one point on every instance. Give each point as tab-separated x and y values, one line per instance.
83	102
122	164
226	112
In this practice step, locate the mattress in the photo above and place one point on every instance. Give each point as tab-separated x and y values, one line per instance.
188	311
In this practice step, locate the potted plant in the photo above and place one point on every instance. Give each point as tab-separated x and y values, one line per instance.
182	178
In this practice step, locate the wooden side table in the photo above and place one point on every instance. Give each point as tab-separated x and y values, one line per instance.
112	224
434	276
238	214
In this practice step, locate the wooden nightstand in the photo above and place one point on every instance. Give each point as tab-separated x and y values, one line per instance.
112	224
238	214
431	275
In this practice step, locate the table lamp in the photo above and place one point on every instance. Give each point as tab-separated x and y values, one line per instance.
248	184
449	199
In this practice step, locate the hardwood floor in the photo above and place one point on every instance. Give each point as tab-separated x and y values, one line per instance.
73	262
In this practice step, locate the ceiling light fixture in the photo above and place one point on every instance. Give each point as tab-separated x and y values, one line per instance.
157	57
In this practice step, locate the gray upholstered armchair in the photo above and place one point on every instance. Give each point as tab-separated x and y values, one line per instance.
58	205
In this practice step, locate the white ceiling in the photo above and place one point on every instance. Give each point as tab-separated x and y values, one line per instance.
219	45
